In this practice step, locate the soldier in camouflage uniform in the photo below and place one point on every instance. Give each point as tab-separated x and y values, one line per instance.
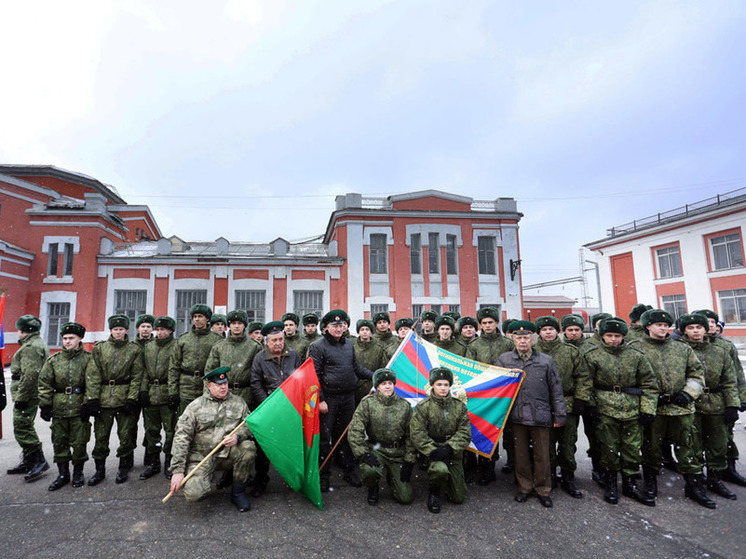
572	331
466	330
292	338
379	438
636	331
64	396
383	335
24	380
219	324
310	328
144	327
206	422
427	321
625	396
156	414
445	325
440	430
369	353
188	361
719	403
573	371
680	380
120	365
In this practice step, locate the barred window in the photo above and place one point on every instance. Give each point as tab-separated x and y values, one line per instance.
378	254
669	262
185	300
57	315
132	304
417	311
733	305
455	308
486	255
308	302
376	308
415	254
437	308
253	302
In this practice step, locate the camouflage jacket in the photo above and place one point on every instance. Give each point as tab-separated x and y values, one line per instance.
370	355
720	390
188	361
452	346
438	421
383	420
572	368
310	338
238	354
203	425
120	369
636	332
488	347
581	344
157	359
63	381
387	340
431	337
614	369
298	343
733	352
25	367
676	369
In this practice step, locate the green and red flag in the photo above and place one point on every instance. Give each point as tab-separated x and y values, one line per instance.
286	426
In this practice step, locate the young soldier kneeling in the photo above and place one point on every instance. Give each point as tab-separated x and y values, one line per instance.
384	417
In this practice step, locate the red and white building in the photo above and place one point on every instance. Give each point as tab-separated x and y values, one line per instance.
681	260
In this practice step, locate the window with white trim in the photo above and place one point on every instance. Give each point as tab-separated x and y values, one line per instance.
486	256
433	253
451	255
415	254
378	253
57	315
733	306
130	302
727	251
675	305
669	261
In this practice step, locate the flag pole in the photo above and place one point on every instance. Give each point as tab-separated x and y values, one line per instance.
205	459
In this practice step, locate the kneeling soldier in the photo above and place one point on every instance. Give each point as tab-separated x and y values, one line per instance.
207	421
440	430
384	417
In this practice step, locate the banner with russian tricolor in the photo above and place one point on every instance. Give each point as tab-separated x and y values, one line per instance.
488	391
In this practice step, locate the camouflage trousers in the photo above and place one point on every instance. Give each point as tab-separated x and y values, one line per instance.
24	430
126	432
240	458
156	419
449	477
67	433
619	444
563	444
401	491
678	430
712	434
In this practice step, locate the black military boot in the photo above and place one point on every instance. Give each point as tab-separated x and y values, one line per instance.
324	482
351	476
433	500
730	474
38	468
715	485
630	489
373	495
695	490
24	466
260	486
100	473
650	481
167	466
152	466
486	468
611	491
63	478
597	472
568	484
78	478
126	463
239	496
226	480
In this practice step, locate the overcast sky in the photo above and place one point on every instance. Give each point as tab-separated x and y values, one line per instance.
244	118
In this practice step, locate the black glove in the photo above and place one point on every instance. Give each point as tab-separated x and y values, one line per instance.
144	399
664	399
93	407
406	472
579	406
646	418
592	412
130	407
370	459
173	402
731	415
681	398
20	406
441	453
45	412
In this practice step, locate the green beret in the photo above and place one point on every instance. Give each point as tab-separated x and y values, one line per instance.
382	375
572	320
218	376
254	326
149	318
310	318
291	316
119	321
488	312
165	322
428	315
273	327
455	315
200	309
613	325
381	316
337	315
651	316
693	318
441	373
547	321
709	314
214	319
466	321
446	320
600	316
403	322
637	310
28	323
238	316
72	328
365	322
506	324
521	327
